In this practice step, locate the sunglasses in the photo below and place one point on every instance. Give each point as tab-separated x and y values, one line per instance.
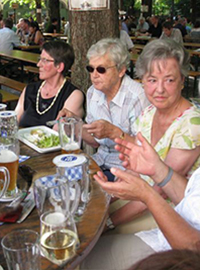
100	70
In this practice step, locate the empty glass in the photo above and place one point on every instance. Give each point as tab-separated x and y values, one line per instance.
21	250
70	133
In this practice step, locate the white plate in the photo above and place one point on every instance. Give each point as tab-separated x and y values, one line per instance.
23	133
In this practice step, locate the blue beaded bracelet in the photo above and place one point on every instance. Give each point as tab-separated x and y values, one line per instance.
167	178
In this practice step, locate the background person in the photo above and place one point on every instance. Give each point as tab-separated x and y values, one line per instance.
8	38
114	101
35	36
179	228
171	33
41	101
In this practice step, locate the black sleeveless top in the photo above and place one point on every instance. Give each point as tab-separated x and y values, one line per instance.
30	116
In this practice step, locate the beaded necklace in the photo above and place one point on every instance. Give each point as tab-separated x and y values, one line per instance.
52	103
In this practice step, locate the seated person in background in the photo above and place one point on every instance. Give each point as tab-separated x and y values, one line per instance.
171	33
35	36
52	28
41	101
179	227
23	30
125	38
181	25
155	29
171	124
195	32
142	26
8	38
114	101
125	24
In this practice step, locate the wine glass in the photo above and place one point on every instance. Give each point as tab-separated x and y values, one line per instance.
58	237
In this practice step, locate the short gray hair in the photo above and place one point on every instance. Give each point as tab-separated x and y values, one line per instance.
115	49
161	50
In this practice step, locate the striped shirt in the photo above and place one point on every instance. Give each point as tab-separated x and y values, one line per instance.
122	112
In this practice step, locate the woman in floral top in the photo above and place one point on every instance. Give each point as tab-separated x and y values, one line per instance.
171	124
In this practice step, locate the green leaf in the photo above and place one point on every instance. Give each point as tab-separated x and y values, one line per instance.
188	141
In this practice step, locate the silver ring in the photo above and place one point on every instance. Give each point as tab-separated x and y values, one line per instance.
92	134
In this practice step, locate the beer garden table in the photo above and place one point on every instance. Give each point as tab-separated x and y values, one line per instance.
91	223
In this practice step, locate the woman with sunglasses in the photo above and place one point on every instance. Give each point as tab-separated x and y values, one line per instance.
41	101
114	101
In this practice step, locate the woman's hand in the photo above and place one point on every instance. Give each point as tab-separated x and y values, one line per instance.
139	156
103	129
65	113
127	186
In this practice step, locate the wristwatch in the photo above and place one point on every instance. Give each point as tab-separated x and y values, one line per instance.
110	224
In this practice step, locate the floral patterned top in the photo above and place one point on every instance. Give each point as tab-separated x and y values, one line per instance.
183	133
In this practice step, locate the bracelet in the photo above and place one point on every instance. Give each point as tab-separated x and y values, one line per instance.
166	179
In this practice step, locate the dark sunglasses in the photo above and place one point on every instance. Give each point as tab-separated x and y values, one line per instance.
100	70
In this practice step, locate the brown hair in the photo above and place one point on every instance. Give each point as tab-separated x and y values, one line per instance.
170	260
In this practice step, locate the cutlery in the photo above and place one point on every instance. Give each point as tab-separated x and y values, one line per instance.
51	123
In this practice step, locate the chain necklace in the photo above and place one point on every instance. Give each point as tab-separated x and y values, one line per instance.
52	103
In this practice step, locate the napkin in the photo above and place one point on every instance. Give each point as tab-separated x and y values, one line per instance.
10	214
23	158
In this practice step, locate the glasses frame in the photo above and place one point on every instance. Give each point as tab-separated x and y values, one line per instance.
45	60
99	69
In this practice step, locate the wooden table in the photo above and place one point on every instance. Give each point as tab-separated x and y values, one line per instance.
22	57
190	44
55	35
90	225
28	47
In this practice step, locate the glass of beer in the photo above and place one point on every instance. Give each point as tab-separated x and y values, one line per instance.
70	133
58	237
9	151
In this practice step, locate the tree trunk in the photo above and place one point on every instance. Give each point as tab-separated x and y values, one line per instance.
54	11
86	28
38	11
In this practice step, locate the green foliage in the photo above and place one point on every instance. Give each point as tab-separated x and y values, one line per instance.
31	3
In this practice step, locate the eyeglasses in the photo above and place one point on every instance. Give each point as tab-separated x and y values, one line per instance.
44	60
100	70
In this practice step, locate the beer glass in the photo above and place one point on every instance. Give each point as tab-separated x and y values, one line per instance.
76	169
70	133
52	193
2	107
58	237
4	183
9	151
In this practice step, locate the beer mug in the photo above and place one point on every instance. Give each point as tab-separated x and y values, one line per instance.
9	151
70	133
2	107
76	169
4	183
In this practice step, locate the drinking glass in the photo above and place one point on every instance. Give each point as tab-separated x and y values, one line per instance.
4	183
76	169
70	133
2	107
9	150
21	250
52	193
58	237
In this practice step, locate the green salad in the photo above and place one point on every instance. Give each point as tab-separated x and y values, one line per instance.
42	139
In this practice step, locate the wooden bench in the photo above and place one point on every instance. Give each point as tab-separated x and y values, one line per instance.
18	86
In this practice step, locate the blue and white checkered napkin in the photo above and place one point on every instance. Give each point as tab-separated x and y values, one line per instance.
74	173
23	158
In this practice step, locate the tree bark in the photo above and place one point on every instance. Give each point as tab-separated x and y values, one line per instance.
54	11
86	28
38	8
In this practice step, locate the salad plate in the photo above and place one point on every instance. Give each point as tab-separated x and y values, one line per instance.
40	138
